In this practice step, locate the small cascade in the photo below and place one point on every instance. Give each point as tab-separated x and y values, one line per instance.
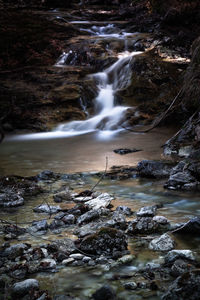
108	118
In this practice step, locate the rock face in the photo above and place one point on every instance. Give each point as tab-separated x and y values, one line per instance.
105	241
154	169
24	287
162	243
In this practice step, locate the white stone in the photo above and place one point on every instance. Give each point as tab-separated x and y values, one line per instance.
175	254
102	201
68	261
50	263
162	243
77	256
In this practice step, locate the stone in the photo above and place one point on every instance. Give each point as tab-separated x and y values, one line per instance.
160	220
147	211
63	196
104	293
68	261
89	216
64	245
104	242
142	225
126	259
125	151
55	224
69	219
176	254
47	264
15	250
185	286
190	227
40	225
82	199
180	180
124	210
102	201
118	221
86	259
154	169
130	285
11	200
49	209
162	243
24	287
76	256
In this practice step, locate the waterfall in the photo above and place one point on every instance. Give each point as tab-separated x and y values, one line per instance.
108	117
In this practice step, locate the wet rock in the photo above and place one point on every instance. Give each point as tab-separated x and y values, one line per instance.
147	211
180	267
11	200
63	196
55	224
48	209
190	227
121	172
142	225
47	264
85	230
102	201
125	151
130	285
104	242
68	261
76	256
13	230
105	292
176	254
182	180
15	250
162	243
160	220
185	286
47	175
91	215
118	221
126	259
69	219
124	210
40	225
24	287
154	169
65	246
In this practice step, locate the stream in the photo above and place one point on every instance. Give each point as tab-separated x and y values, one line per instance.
83	146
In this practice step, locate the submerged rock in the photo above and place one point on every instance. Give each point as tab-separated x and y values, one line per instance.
125	151
162	243
105	241
104	293
24	287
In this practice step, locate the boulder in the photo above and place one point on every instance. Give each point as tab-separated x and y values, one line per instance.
15	251
118	221
143	225
162	243
185	286
154	169
176	254
104	242
24	287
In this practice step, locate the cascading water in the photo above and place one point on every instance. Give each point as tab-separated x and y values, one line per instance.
108	118
107	121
